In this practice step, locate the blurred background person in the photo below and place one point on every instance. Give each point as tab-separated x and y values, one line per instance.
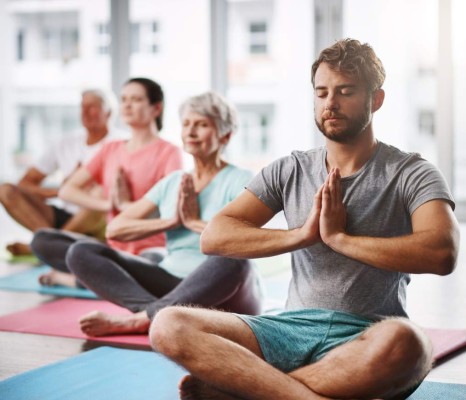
184	203
28	202
126	169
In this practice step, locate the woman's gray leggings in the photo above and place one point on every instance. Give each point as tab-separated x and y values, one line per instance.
138	284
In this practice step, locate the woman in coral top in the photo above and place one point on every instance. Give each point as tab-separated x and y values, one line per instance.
126	170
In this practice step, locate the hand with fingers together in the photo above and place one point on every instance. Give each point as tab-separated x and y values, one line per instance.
333	213
120	192
310	230
188	206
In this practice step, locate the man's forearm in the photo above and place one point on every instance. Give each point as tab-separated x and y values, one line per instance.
230	237
421	252
44	192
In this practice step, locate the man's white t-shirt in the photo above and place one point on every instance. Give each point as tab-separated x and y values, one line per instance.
65	156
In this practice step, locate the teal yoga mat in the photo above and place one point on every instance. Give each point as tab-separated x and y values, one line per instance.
27	281
100	374
118	374
439	391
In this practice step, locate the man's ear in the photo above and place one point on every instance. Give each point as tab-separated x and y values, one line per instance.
378	97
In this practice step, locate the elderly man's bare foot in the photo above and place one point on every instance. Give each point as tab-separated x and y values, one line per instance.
192	388
58	278
19	249
98	323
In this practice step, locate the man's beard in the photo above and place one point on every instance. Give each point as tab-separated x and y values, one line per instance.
354	126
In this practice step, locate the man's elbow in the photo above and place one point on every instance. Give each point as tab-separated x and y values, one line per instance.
209	241
447	263
447	256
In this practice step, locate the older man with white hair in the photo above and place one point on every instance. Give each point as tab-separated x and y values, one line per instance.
28	202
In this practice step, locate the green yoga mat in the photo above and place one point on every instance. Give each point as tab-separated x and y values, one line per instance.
27	281
118	374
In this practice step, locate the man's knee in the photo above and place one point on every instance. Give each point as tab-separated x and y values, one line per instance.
8	194
167	330
401	346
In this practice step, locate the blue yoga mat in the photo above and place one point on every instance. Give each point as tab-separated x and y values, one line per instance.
439	391
100	374
118	374
27	281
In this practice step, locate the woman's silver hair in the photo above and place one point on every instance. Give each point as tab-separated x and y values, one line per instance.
215	107
108	99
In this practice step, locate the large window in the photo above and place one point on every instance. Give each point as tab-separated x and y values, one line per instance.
256	52
48	57
459	96
269	53
170	43
406	119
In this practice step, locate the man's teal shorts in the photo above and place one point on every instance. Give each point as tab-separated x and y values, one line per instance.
293	339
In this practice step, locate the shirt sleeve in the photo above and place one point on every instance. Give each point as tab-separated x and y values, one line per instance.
423	182
157	193
240	181
47	163
173	161
268	184
96	165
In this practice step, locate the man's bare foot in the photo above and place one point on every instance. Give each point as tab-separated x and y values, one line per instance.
19	249
192	388
98	323
58	278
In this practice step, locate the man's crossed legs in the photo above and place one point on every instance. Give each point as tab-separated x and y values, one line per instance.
226	362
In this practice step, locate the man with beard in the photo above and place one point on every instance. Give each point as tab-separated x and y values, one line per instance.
360	215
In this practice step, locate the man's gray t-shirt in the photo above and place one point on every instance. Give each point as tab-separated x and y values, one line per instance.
379	199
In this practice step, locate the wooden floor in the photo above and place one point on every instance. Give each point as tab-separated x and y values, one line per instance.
432	302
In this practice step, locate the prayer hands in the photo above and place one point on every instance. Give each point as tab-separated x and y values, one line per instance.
188	206
120	193
328	215
333	213
310	229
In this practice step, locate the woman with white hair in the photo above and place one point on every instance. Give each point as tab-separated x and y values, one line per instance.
184	203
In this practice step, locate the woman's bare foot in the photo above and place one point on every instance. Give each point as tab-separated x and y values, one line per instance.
19	249
98	323
58	278
192	388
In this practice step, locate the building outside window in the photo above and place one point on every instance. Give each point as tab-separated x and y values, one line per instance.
258	37
145	37
103	38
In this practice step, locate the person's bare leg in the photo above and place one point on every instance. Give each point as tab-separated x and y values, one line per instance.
388	358
191	388
27	209
19	249
215	347
88	222
98	323
58	278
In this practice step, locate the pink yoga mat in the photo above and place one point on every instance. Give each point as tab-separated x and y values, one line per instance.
60	318
446	341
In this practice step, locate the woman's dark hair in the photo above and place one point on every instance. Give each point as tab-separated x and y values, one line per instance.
154	93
